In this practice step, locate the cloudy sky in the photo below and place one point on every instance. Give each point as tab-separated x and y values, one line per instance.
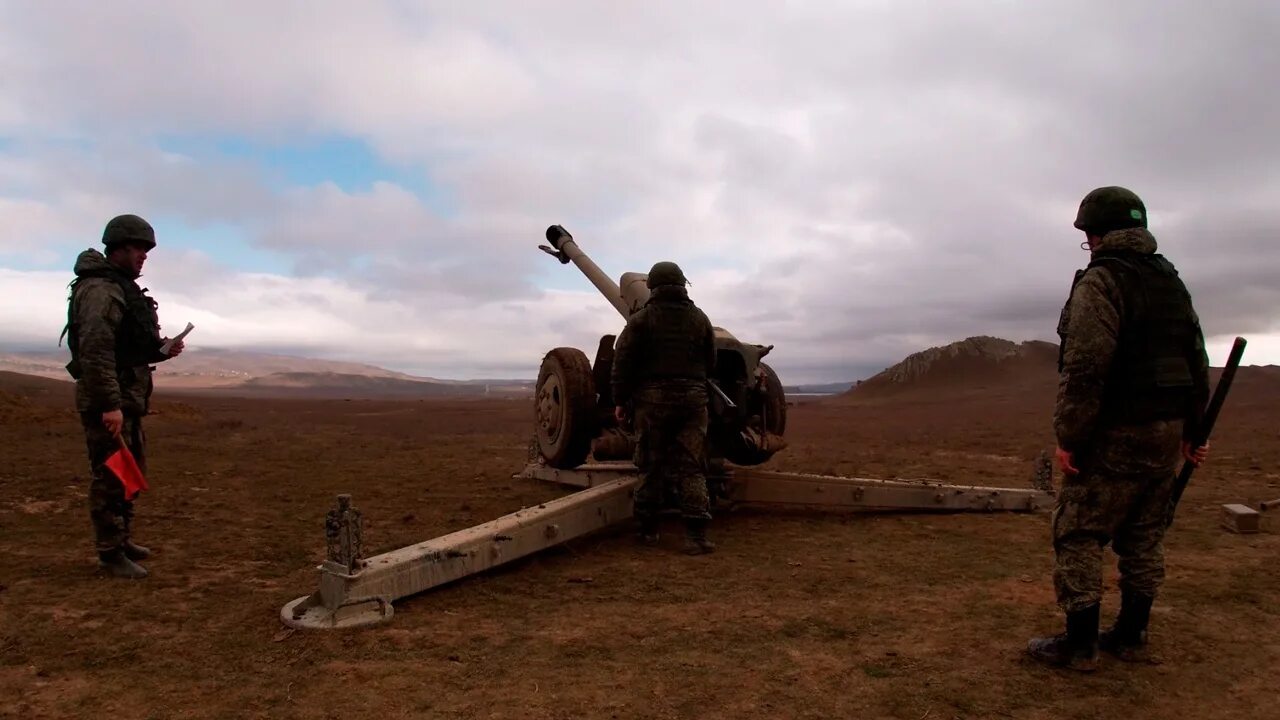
849	181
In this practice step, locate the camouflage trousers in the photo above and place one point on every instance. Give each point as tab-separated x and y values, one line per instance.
111	514
1121	496
671	440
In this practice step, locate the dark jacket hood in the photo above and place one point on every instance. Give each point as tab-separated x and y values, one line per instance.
669	293
92	263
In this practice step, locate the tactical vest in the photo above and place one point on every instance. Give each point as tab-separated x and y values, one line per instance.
1150	376
137	338
677	333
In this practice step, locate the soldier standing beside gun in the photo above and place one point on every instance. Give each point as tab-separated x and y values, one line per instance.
1133	383
114	337
663	360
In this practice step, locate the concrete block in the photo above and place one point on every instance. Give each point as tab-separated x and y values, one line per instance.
1240	518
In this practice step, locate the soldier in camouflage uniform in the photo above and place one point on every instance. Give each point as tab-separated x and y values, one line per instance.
114	337
660	368
1133	383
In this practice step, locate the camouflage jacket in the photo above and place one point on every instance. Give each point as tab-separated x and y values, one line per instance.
114	336
667	339
1091	325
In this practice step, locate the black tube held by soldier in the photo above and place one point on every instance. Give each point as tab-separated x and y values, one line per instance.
1205	427
661	365
113	333
1133	383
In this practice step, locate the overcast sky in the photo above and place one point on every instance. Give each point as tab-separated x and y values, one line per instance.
850	181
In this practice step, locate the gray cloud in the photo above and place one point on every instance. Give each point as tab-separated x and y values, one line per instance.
846	181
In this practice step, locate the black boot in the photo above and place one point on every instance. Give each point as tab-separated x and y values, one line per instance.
116	564
1076	649
135	552
1127	638
695	541
648	530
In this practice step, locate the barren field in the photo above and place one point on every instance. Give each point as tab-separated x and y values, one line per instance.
798	615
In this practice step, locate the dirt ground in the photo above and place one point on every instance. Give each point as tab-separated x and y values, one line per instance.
798	615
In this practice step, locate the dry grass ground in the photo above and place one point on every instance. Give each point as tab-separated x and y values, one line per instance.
796	616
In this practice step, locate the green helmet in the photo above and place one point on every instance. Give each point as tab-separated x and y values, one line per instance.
665	273
1110	208
129	230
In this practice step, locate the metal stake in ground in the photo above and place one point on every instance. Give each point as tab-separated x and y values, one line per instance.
344	535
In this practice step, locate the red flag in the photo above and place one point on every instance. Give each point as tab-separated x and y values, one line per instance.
125	467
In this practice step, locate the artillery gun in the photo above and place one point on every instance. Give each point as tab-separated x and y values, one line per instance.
573	404
573	410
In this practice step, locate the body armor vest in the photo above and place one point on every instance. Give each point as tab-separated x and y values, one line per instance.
138	337
677	333
1150	376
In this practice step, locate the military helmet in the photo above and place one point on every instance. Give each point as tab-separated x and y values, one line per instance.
665	273
129	230
1110	208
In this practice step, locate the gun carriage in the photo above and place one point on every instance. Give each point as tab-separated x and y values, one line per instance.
574	423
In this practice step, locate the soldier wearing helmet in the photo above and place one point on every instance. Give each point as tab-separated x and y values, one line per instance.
1133	384
661	365
114	337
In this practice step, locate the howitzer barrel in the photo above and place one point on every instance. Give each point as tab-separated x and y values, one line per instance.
564	249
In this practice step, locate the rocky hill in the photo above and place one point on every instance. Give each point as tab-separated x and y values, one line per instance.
973	364
1004	372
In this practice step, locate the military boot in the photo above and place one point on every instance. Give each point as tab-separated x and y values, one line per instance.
132	551
116	564
648	530
1127	638
695	540
135	552
1076	649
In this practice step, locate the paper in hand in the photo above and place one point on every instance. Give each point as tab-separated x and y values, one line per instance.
164	349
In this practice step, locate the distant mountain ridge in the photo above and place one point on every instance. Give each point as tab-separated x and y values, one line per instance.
256	373
831	388
332	384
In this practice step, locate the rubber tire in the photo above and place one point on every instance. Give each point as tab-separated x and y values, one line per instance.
775	409
569	446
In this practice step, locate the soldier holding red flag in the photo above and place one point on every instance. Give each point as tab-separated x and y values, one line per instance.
114	336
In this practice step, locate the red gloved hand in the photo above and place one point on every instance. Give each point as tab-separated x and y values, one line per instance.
1066	462
1197	456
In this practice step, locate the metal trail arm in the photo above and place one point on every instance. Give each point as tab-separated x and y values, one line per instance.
360	592
564	249
770	488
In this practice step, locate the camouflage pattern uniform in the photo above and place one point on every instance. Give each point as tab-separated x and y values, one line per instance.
1133	383
661	364
670	420
114	337
1125	445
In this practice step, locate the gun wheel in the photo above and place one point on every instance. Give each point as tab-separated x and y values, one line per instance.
565	408
771	405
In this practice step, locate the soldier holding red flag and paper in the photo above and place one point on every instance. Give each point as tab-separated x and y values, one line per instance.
114	336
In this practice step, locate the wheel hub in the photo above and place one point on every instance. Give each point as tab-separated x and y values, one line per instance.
550	407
